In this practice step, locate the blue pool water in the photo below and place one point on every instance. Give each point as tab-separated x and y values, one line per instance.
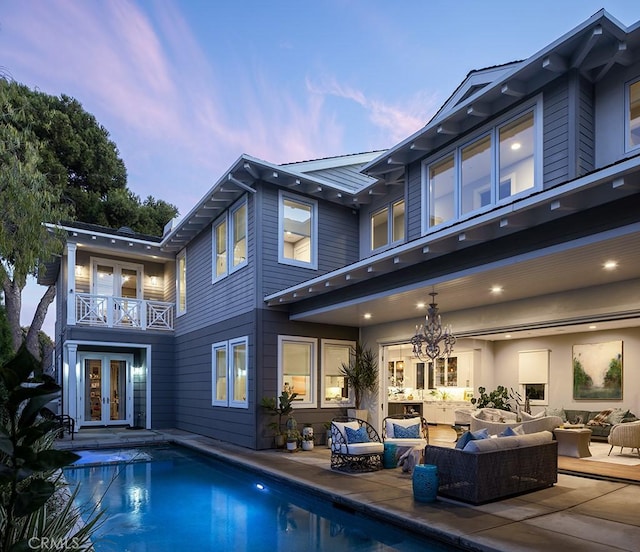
169	499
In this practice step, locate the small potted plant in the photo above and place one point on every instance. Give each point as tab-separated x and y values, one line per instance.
307	437
361	374
293	436
279	406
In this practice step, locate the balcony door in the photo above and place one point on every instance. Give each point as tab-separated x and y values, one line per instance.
107	395
117	289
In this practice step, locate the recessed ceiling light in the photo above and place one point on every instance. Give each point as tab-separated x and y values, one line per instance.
507	336
496	289
593	327
516	146
367	315
421	305
610	265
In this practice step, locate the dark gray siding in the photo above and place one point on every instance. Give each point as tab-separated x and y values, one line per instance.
414	201
337	242
193	384
586	128
556	134
209	303
271	324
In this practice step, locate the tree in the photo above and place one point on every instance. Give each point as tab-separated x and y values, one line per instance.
56	163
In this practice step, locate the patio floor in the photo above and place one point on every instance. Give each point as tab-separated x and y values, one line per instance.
577	514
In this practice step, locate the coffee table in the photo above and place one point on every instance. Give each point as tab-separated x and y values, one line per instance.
573	442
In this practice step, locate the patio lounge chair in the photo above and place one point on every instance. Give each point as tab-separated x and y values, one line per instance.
355	446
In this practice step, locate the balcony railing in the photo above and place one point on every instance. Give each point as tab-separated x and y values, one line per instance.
123	312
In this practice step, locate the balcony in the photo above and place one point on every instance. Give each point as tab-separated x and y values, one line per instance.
123	312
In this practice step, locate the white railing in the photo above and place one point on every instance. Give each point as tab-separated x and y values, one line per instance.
122	312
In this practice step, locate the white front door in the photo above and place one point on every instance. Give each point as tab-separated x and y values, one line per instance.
106	396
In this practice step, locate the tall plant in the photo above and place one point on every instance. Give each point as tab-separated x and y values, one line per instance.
361	372
279	406
31	507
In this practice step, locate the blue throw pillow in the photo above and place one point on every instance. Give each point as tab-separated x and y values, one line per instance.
471	436
410	432
357	435
508	432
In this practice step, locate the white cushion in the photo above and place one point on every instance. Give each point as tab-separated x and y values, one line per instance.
342	425
362	448
407	442
537	416
408	422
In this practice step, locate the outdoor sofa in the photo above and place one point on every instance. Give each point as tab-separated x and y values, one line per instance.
497	467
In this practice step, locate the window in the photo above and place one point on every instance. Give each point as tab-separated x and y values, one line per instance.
229	373
230	234
220	395
387	225
181	282
633	117
297	368
297	228
533	375
239	235
220	250
335	392
494	167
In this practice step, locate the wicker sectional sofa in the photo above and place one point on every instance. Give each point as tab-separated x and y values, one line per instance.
496	468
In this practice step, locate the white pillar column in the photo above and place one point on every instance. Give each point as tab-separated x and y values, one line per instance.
71	284
72	393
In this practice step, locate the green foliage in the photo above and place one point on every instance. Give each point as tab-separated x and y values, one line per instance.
361	372
581	380
80	161
5	336
498	398
613	377
280	407
29	464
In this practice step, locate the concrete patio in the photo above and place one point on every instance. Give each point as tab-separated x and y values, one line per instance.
578	513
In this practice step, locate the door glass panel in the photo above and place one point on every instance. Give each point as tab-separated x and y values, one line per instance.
93	390
129	283
104	280
117	391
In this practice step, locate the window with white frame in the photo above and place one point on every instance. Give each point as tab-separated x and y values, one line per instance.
533	375
230	235
298	231
181	282
229	373
500	163
387	225
335	391
297	368
633	115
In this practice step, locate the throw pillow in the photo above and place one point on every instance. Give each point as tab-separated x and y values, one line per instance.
411	432
471	436
511	431
556	412
600	419
357	435
617	415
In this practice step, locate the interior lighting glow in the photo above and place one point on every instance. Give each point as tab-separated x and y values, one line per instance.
496	289
610	265
516	146
367	315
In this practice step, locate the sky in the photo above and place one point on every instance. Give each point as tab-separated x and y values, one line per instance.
185	87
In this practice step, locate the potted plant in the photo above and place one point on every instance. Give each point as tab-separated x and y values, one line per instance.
279	406
307	442
293	436
361	374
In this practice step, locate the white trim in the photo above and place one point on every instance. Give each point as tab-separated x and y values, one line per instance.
311	401
628	147
231	230
239	341
214	249
313	263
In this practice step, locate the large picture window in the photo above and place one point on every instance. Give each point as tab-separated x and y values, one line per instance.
501	163
297	368
298	231
229	373
335	391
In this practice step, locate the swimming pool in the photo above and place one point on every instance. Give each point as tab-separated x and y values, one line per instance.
166	499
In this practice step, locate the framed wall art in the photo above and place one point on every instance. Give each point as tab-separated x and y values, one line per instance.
597	371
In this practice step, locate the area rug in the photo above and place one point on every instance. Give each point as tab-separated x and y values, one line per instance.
600	453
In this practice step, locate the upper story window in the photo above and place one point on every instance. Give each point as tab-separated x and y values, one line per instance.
298	231
633	115
387	225
181	282
492	168
230	235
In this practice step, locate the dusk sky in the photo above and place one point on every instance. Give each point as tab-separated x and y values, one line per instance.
185	87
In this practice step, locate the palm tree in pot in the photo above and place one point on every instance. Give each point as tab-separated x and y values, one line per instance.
361	374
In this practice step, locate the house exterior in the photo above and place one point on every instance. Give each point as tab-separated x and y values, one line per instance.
518	204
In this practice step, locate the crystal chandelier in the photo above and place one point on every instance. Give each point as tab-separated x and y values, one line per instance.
431	340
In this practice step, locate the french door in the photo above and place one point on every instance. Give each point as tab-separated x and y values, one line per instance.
107	394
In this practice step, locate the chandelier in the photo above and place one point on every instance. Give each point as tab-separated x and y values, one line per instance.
431	340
